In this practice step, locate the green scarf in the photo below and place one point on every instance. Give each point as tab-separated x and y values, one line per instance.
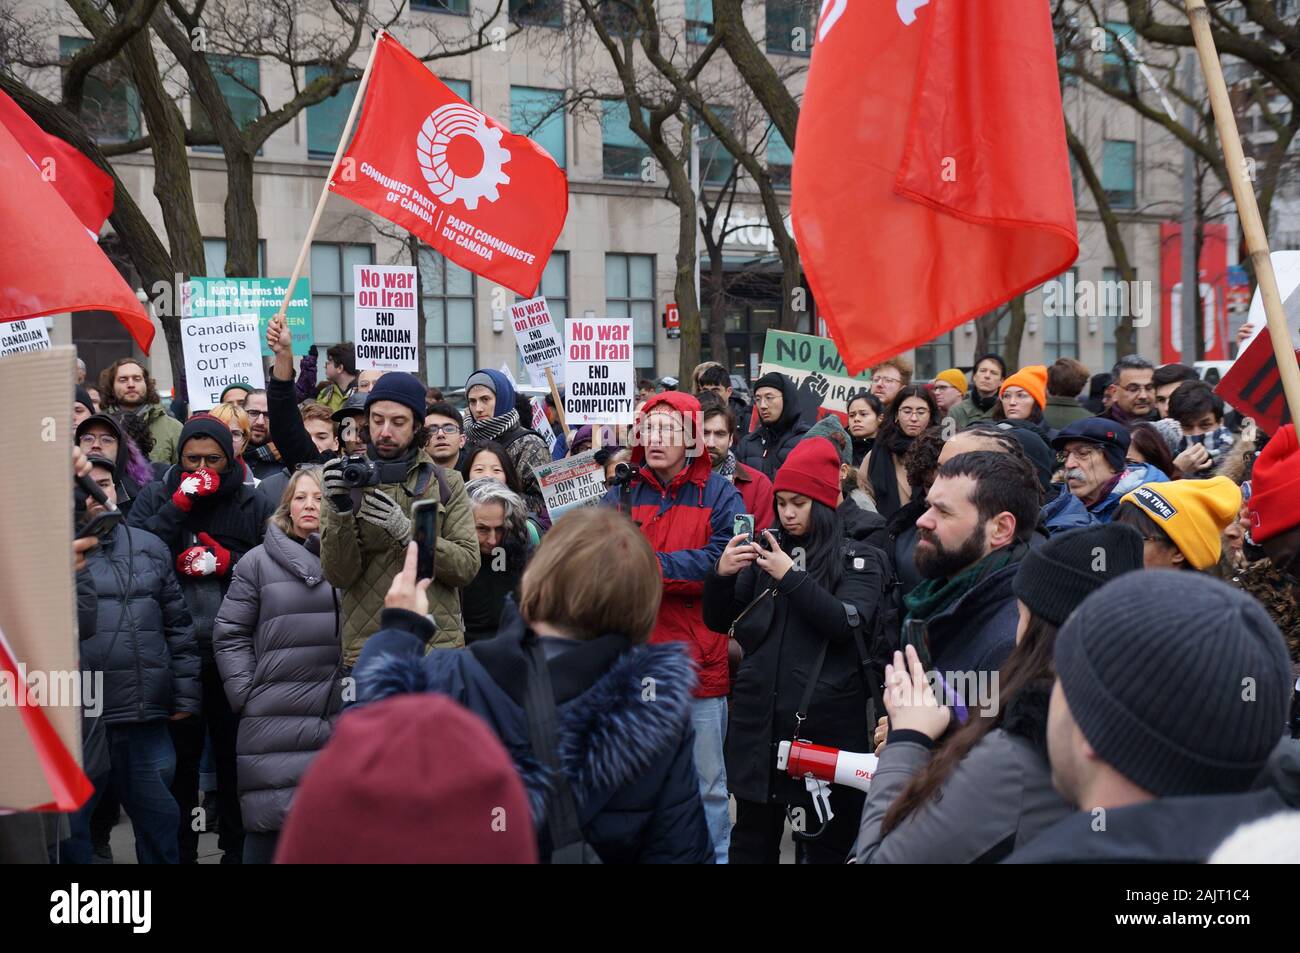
936	594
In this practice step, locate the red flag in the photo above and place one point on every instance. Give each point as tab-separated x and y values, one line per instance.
49	263
84	186
425	159
931	178
1253	385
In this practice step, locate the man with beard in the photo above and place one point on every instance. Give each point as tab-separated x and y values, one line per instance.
128	388
779	428
261	454
982	511
719	433
365	529
209	518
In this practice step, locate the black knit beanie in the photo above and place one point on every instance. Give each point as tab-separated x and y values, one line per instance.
1055	577
205	425
771	379
1179	682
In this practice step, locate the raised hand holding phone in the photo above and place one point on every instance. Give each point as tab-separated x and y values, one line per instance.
408	592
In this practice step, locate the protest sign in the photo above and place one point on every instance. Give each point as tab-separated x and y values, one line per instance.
541	424
385	323
539	341
600	378
19	337
219	297
220	351
815	366
571	482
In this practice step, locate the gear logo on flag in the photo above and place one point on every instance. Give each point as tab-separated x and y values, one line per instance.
444	125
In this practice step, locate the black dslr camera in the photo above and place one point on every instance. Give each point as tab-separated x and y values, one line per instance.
359	471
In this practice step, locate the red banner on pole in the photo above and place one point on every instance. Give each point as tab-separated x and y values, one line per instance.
425	159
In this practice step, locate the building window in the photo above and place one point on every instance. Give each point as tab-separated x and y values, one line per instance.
630	293
539	115
933	357
331	289
1110	305
239	80
1118	62
790	26
537	12
214	258
326	119
458	86
110	106
998	336
622	151
699	21
555	288
715	161
441	6
1118	177
780	158
1061	330
447	291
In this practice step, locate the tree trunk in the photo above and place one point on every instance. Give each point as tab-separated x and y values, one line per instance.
1017	331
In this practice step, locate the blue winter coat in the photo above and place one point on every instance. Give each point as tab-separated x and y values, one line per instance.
629	763
1067	511
144	637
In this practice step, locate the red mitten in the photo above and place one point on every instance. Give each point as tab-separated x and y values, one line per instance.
219	551
202	482
196	561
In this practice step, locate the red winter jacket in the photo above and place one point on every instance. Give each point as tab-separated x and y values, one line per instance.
688	523
757	495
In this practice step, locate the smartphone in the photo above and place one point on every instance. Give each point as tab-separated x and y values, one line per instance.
424	532
101	524
744	523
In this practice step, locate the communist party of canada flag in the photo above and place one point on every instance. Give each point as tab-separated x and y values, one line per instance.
931	178
423	158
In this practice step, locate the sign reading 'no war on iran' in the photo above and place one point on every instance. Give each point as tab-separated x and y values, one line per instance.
385	321
600	382
220	351
539	341
815	366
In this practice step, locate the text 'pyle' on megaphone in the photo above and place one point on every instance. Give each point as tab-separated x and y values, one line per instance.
802	758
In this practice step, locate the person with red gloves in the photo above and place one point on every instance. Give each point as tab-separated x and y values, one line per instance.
209	518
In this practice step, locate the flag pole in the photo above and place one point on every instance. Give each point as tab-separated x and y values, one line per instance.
329	178
559	404
1247	208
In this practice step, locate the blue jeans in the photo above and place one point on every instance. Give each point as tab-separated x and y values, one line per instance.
709	719
143	763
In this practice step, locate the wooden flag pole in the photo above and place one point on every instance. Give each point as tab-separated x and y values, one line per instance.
329	179
1247	208
559	404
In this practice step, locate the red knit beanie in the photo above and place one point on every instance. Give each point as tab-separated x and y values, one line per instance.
812	470
1274	503
412	779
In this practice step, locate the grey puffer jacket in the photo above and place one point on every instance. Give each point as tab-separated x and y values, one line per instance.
143	639
997	799
276	642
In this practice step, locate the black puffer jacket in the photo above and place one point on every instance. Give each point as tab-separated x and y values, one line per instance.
144	637
235	517
767	447
276	642
781	638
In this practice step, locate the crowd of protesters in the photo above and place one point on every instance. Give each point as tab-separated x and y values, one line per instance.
1032	595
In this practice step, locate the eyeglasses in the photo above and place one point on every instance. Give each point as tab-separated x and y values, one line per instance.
91	439
1139	388
257	414
886	380
211	460
914	412
1082	454
444	428
767	398
662	433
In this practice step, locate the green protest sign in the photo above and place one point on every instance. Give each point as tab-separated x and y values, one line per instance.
814	364
261	297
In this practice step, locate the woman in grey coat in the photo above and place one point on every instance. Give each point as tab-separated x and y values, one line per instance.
276	642
987	789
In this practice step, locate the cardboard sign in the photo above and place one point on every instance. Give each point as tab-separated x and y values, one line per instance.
221	297
541	424
19	337
539	341
571	482
814	364
220	351
598	370
385	321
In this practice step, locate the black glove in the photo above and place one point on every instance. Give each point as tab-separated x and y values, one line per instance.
336	490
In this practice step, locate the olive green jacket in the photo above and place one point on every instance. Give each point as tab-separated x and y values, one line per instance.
165	429
360	560
964	412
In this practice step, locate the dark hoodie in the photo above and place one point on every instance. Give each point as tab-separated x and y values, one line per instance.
128	480
767	447
235	516
527	448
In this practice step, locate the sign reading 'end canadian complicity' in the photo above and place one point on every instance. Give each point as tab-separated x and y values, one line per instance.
385	318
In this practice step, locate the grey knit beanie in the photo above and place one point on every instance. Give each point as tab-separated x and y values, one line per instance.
1180	682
